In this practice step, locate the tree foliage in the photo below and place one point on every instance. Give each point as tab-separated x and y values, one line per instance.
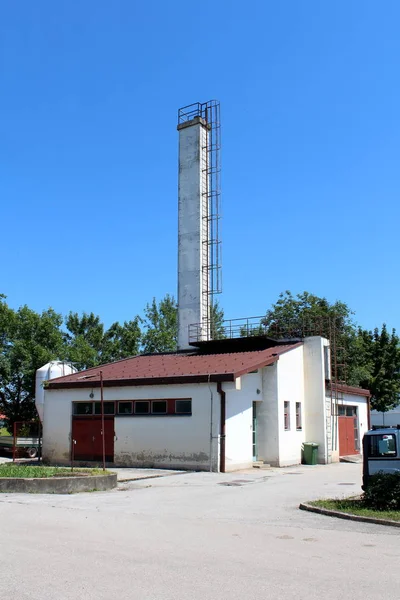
28	340
372	360
160	325
83	340
217	329
88	344
307	314
382	353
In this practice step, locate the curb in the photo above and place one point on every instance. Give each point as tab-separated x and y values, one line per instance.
58	485
340	515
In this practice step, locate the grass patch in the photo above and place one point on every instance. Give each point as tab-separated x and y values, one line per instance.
356	506
32	471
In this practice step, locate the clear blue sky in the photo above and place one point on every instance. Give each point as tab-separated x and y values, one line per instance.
310	104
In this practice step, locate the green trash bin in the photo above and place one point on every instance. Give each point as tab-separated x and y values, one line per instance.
310	453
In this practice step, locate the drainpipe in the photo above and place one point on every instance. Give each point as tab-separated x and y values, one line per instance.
211	420
222	428
369	413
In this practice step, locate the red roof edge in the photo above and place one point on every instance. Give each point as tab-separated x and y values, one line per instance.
352	390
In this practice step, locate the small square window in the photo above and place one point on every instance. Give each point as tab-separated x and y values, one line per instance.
83	408
142	407
299	426
287	415
159	407
109	408
124	408
183	407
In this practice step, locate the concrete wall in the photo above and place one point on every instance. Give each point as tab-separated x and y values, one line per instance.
181	442
290	389
192	228
282	382
57	420
239	420
316	418
268	417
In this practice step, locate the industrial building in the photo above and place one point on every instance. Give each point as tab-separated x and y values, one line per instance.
225	399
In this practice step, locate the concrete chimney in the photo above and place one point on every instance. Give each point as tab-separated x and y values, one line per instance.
193	270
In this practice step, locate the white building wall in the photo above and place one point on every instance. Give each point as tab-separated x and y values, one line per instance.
181	442
290	389
57	420
316	419
268	433
192	228
239	420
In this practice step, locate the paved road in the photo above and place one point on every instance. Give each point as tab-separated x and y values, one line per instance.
193	537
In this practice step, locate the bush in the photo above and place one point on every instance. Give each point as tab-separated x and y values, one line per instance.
383	491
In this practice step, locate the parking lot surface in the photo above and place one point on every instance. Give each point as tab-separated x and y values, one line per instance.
198	536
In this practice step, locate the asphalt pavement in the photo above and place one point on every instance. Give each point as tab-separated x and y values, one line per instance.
198	536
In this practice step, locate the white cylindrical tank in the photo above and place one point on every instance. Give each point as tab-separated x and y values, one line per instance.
51	370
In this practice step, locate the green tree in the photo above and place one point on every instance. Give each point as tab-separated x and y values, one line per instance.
382	350
28	340
83	340
88	344
121	341
307	314
160	326
217	328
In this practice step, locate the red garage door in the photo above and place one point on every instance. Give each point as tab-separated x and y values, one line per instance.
87	435
348	431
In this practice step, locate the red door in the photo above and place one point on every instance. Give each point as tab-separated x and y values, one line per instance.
98	439
88	441
347	441
82	438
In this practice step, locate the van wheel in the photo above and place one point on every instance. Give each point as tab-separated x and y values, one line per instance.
32	452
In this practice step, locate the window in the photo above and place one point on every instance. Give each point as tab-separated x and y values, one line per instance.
287	415
124	408
82	408
183	407
109	408
298	416
168	407
327	362
381	445
142	407
159	407
346	411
